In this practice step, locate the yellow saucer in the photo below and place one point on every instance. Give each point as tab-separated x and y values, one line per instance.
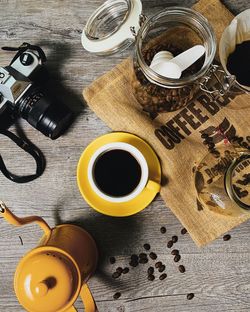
118	209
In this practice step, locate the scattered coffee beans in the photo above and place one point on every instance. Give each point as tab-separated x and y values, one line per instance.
190	296
163	276
142	255
183	231
117	295
125	270
151	277
158	264
177	258
175	252
150	270
174	239
163	230
116	274
146	246
133	263
119	270
182	268
112	260
143	260
134	258
153	255
226	237
170	244
162	268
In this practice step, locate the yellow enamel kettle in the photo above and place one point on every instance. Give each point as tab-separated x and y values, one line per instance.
50	277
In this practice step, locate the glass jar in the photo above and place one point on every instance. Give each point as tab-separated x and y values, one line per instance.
223	182
176	30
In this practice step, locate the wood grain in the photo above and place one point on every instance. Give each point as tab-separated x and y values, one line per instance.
217	274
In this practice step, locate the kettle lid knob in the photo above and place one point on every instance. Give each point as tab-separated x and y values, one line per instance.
41	289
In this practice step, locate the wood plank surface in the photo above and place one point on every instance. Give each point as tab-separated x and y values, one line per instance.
218	275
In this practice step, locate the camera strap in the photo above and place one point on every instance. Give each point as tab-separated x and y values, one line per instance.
29	148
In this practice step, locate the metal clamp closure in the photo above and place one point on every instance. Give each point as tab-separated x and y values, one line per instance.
220	79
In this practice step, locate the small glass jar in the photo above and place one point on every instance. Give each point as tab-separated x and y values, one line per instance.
176	30
223	182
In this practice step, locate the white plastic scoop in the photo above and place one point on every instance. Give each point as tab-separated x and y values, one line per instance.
169	67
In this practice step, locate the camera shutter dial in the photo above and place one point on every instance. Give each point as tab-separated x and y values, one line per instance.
26	59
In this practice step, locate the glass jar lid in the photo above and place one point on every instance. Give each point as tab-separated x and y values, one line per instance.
112	26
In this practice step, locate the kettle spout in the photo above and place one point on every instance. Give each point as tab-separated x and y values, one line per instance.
13	219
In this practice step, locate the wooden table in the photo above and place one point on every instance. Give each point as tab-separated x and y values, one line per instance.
218	275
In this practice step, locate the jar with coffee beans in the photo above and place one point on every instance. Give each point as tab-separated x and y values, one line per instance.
174	30
222	179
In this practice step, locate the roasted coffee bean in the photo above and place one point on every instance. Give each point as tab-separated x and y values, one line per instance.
174	239
226	237
204	135
170	244
182	268
190	296
134	258
209	181
153	255
162	268
158	264
175	252
211	145
177	258
125	270
117	295
183	231
146	246
116	274
209	139
112	260
163	276
133	263
143	260
142	255
163	230
151	277
150	270
119	270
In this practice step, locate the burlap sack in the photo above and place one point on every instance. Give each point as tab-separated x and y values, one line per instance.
111	98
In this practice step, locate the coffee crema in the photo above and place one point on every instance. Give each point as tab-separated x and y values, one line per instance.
117	173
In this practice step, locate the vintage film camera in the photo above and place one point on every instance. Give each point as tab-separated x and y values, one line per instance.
22	94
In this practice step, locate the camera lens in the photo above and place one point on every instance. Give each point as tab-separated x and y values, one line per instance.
44	113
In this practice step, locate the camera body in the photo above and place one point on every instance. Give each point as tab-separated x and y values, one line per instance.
22	94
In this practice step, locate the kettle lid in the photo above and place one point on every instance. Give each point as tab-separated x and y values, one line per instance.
47	280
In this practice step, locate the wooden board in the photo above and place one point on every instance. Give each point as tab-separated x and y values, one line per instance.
218	274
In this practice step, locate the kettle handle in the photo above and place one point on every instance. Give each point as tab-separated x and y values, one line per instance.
13	219
88	300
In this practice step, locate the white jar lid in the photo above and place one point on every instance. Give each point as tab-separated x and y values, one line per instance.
112	26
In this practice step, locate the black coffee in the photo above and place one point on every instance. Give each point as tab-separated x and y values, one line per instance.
238	63
117	173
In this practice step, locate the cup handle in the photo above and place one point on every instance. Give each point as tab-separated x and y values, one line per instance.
153	186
